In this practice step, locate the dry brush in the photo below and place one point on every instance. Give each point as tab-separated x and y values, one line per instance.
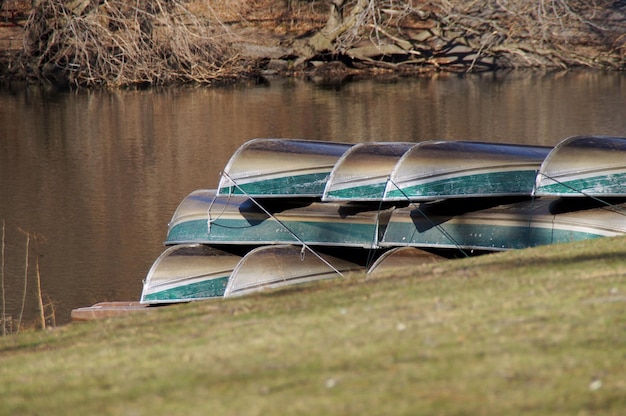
119	43
501	33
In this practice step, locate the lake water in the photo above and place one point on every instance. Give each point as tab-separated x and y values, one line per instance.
94	177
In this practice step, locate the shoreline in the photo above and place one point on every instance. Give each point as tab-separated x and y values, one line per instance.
263	41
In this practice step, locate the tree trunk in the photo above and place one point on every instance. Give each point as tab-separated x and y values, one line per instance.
286	6
335	17
336	25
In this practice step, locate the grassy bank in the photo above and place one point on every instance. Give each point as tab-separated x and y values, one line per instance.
539	331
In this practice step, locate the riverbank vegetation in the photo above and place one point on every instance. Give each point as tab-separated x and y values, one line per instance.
28	257
153	42
535	331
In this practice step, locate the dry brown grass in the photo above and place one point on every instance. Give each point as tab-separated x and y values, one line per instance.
119	44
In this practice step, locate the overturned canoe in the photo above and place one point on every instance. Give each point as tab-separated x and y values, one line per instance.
515	225
361	174
204	217
188	272
280	168
454	169
274	266
584	166
402	257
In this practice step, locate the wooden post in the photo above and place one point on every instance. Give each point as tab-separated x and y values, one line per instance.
42	316
4	311
19	321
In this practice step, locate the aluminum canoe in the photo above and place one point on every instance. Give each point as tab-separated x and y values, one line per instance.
280	168
188	272
401	257
362	173
584	166
204	217
269	267
515	225
458	169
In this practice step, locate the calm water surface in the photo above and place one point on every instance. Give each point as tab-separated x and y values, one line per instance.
96	176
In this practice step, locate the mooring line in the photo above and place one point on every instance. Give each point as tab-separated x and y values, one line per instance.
438	227
529	228
212	220
294	235
374	244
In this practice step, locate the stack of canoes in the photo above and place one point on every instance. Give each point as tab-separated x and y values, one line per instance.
291	211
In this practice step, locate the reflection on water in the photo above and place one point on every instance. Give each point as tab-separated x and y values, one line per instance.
99	174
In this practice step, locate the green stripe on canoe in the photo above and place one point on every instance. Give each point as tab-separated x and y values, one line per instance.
309	184
241	231
481	236
512	182
206	289
375	191
605	184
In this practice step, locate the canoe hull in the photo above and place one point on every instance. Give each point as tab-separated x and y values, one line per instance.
361	174
271	267
584	166
401	257
206	218
280	168
456	169
188	272
503	227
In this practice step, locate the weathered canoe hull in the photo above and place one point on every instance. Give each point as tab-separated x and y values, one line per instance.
361	174
188	272
203	217
584	166
456	169
428	170
401	257
280	168
275	266
510	226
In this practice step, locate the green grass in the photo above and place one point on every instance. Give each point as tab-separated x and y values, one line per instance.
536	332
